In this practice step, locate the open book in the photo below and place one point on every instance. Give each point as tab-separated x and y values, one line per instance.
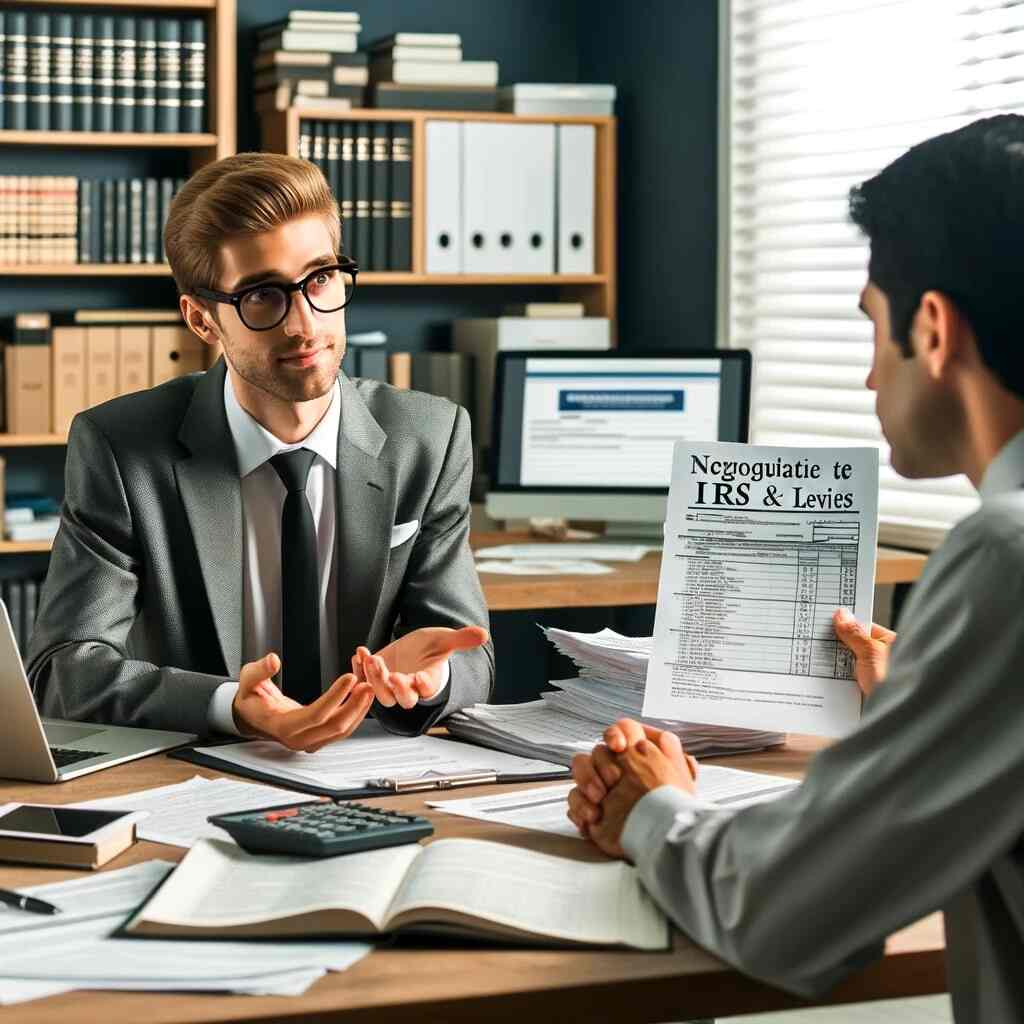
454	886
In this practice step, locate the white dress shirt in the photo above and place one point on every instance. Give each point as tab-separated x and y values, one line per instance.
263	496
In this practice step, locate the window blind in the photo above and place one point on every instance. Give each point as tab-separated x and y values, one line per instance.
817	96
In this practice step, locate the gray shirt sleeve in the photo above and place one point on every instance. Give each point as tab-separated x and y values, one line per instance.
891	822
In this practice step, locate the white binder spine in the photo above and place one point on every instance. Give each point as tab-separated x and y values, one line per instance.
444	186
576	160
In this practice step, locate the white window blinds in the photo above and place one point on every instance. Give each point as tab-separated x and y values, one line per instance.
817	96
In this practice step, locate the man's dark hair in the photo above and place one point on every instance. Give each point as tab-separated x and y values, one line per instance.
948	216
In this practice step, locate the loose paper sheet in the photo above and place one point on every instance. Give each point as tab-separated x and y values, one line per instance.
762	545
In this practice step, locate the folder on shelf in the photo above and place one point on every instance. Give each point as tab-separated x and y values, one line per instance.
134	359
100	364
576	165
176	353
69	376
444	197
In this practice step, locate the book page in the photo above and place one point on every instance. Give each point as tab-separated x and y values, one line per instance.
762	545
219	885
531	892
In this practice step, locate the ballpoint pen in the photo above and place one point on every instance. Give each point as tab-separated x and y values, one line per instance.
36	906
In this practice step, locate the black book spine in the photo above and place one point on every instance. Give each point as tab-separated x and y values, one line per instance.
39	72
3	68
319	157
124	75
135	214
145	76
167	191
103	75
82	90
334	157
108	249
193	91
121	221
168	75
62	72
30	598
16	71
84	219
151	221
347	184
305	140
361	197
400	222
380	198
96	236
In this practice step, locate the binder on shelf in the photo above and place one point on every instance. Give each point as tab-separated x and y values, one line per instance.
134	359
400	370
145	76
176	353
168	75
576	167
108	205
82	88
445	374
193	90
69	376
135	220
103	75
27	375
62	78
444	230
39	71
121	221
100	365
380	198
400	220
124	75
151	236
16	71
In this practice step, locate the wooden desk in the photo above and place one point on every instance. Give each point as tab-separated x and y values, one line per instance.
416	985
631	583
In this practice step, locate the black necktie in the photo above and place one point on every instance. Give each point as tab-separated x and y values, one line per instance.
300	581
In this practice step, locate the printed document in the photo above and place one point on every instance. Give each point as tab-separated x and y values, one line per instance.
762	545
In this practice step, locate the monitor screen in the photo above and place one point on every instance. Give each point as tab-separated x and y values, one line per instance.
588	422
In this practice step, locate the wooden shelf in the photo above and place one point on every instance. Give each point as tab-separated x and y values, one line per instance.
379	277
176	5
85	269
149	140
25	547
31	440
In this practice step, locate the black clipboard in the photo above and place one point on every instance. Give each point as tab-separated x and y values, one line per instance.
193	756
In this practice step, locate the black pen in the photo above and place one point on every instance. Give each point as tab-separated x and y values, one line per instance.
37	906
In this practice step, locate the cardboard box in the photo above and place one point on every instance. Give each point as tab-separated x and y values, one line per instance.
69	376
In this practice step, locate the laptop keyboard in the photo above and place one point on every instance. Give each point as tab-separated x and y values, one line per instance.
63	756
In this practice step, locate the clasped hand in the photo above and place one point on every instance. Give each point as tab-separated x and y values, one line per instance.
409	669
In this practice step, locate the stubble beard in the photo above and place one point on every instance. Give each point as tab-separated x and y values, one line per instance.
291	385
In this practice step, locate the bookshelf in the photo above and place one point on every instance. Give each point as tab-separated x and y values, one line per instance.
85	269
597	292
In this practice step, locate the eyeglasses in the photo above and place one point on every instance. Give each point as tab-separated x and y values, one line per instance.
263	306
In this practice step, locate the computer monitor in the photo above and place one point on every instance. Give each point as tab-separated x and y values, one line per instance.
589	435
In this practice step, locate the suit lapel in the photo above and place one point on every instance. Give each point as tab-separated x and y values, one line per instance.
211	493
366	512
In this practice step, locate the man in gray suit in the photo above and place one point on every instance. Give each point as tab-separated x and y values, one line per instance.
920	808
268	505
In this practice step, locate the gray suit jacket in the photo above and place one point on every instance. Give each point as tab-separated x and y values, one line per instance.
140	618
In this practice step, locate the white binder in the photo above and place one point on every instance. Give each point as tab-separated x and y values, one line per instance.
576	158
508	212
444	197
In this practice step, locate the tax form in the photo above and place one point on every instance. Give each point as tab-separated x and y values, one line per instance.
762	545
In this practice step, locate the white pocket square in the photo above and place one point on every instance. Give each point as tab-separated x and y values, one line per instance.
401	532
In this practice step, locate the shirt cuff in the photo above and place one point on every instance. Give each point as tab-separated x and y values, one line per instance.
219	715
442	691
654	815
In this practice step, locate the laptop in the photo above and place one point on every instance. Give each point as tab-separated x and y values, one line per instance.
38	749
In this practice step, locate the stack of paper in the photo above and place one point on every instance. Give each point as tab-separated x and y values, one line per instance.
81	955
570	720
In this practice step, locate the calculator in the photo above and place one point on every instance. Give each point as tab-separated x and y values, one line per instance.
320	828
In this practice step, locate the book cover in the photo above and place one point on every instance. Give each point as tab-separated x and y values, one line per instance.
350	74
445	374
193	91
109	203
347	184
360	234
294	39
167	191
380	194
177	352
3	66
121	221
425	72
168	75
69	376
389	95
103	75
124	74
134	359
39	71
145	76
100	365
334	157
319	156
151	221
284	59
400	221
430	39
135	224
82	87
62	73
400	370
27	383
305	139
16	71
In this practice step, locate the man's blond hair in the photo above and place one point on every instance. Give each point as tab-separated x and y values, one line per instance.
245	194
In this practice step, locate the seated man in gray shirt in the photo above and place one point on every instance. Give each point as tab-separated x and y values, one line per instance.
920	808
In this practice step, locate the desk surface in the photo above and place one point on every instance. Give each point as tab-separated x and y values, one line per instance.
395	985
631	583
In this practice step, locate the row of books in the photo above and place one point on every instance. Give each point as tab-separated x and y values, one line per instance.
21	596
48	219
368	165
98	72
54	372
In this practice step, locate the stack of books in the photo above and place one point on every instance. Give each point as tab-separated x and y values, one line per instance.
310	60
101	73
425	70
38	219
579	100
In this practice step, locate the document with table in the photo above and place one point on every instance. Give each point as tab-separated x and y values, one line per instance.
453	886
762	545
